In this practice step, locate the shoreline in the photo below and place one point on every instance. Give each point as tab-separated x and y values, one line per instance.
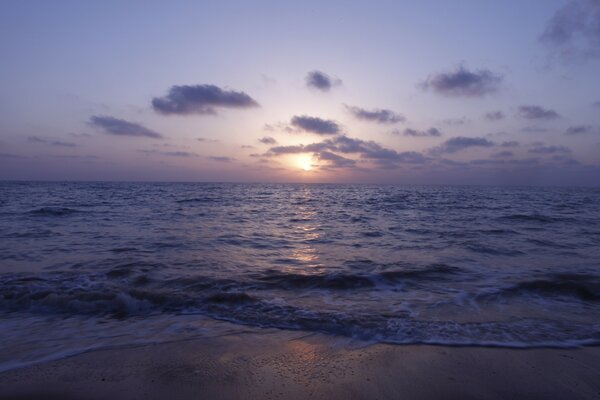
297	365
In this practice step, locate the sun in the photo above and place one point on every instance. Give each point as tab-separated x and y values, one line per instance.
305	162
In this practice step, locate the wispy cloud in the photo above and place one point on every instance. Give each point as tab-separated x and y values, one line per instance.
315	125
223	159
50	142
494	116
268	140
321	81
120	127
573	32
380	116
462	82
200	99
579	129
459	143
431	132
537	112
170	153
544	149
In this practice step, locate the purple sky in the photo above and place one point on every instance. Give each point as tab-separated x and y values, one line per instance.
434	92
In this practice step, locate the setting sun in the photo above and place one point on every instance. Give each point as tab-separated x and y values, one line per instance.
305	162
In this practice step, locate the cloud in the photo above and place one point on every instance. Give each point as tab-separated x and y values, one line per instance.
579	129
315	125
247	146
120	127
50	142
543	149
267	140
596	104
533	129
431	132
494	116
368	150
456	144
335	161
170	153
201	139
455	121
200	99
463	82
573	32
503	154
510	143
321	81
380	116
537	112
221	158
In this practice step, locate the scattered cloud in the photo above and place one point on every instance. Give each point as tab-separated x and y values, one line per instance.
315	125
456	144
321	81
120	127
533	129
221	158
335	161
247	146
200	99
170	153
543	149
380	116
573	32
455	121
510	143
50	142
268	140
494	116
503	154
201	139
462	82
537	112
579	129
431	132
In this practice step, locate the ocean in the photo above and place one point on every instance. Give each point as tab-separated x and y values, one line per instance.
95	265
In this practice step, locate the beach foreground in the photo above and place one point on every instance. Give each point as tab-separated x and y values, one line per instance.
296	365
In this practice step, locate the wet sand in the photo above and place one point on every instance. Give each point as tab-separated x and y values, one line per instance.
294	365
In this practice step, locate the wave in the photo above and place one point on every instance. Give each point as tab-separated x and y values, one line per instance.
535	218
580	286
53	211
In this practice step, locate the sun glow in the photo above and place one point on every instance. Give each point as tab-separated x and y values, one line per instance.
305	162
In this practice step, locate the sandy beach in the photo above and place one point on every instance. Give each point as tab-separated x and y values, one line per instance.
296	365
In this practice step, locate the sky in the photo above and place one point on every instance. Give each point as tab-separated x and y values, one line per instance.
401	92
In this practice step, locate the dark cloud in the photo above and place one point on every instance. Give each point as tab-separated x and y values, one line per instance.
573	32
170	153
315	125
200	99
494	116
543	149
431	132
221	158
369	150
510	143
380	116
537	112
503	154
267	140
321	81
596	104
120	127
463	82
579	129
335	161
533	129
50	142
10	155
455	121
456	144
